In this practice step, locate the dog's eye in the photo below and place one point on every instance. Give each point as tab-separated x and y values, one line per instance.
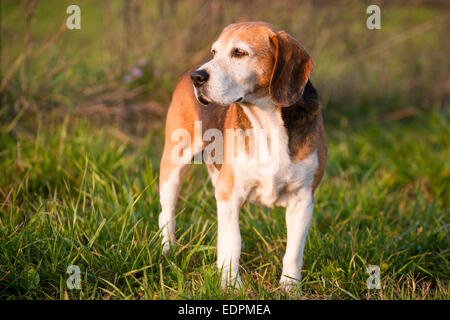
213	52
238	53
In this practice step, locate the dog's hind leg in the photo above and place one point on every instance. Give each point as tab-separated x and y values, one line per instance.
171	178
174	165
182	141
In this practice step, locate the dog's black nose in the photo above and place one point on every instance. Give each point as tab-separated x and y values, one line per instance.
199	77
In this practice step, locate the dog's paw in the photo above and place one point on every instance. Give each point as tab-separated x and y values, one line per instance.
234	282
289	285
165	247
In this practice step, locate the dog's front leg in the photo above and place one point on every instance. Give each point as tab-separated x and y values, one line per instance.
298	218
228	234
228	243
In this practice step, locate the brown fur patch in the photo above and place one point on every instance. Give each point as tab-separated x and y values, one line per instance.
291	71
225	183
182	113
237	122
223	118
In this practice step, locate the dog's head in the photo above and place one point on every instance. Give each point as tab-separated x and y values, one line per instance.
252	60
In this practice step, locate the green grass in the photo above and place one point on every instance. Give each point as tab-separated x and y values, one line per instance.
74	194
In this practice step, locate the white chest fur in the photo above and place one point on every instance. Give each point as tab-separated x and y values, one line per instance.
285	179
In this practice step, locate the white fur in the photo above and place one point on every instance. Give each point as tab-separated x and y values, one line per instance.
298	217
168	197
230	78
228	241
266	187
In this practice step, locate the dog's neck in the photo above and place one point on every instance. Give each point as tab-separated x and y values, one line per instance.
264	102
300	114
298	122
262	113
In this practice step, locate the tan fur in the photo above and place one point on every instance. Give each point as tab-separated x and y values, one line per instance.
182	113
225	183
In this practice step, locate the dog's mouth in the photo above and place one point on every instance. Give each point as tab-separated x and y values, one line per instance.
203	100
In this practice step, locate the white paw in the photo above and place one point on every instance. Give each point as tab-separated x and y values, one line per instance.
166	247
289	284
167	244
234	282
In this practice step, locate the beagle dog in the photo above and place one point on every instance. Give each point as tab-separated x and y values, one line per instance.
257	81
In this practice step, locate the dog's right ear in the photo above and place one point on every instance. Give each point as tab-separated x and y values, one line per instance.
291	70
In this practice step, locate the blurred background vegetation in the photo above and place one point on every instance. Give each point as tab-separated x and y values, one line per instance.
128	55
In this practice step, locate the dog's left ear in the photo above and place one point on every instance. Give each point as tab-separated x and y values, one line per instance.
291	70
